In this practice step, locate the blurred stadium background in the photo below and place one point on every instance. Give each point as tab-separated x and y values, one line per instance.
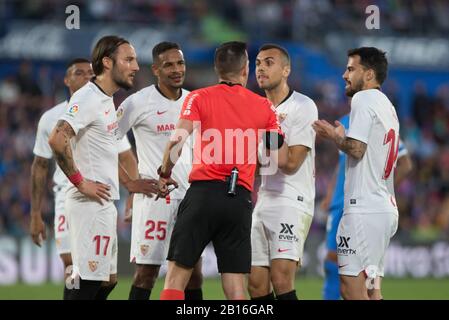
35	45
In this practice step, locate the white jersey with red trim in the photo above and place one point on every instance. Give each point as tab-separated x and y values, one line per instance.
91	114
153	118
369	181
296	115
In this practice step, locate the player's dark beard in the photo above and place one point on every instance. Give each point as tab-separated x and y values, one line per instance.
354	88
117	77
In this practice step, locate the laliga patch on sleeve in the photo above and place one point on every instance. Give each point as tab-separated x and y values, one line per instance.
73	109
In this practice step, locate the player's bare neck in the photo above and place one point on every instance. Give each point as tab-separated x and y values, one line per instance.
278	94
106	85
371	85
169	92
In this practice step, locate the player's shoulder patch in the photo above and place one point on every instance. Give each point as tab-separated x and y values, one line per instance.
73	109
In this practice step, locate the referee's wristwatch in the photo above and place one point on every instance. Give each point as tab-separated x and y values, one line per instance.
162	174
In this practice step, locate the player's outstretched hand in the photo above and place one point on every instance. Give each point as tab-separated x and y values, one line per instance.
146	186
37	230
129	208
95	190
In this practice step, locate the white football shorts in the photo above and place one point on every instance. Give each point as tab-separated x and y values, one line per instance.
152	226
278	233
93	236
362	240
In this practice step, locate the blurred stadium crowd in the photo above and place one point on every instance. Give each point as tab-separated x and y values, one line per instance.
423	197
283	19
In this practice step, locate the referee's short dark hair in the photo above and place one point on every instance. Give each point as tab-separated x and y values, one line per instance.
105	47
372	58
283	51
230	58
162	47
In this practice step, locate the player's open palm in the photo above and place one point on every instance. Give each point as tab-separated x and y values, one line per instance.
37	230
96	191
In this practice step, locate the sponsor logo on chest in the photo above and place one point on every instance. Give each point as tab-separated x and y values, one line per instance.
165	127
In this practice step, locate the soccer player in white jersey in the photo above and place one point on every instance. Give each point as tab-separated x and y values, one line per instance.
84	142
370	216
285	205
152	113
78	73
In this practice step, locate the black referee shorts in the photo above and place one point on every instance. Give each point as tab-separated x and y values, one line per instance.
208	214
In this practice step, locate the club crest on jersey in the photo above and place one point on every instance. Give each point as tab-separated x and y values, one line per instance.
93	265
119	112
144	248
282	117
73	109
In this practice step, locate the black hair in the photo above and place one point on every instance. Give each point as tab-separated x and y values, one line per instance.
372	58
162	47
283	51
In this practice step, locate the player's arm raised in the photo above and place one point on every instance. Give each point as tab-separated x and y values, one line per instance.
351	147
39	172
59	142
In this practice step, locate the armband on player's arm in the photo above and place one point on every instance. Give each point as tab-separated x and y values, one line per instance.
273	140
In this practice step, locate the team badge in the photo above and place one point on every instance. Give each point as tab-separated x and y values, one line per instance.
93	265
282	117
144	249
119	113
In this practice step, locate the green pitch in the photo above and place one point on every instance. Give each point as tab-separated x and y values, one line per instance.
307	288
